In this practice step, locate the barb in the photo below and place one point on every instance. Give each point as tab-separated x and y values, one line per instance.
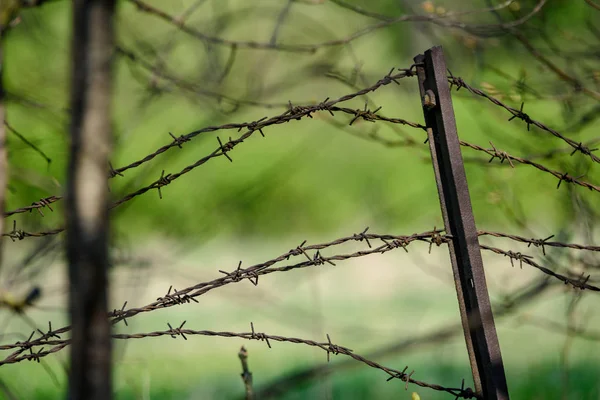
556	152
18	234
37	205
518	113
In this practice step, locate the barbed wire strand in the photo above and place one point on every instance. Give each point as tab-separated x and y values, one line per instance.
328	347
519	114
542	243
580	282
508	304
176	297
293	113
503	155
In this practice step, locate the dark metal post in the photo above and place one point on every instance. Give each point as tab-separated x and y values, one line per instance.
465	254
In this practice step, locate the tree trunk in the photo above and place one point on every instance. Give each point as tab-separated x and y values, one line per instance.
3	152
87	199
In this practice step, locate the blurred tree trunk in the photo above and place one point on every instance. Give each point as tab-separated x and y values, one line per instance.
87	199
3	153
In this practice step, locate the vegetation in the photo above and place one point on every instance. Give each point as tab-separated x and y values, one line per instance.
317	178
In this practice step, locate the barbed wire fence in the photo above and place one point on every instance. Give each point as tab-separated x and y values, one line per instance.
42	343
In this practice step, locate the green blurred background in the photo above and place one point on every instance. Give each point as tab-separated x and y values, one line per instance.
315	179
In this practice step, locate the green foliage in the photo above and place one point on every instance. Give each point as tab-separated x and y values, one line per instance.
539	382
305	176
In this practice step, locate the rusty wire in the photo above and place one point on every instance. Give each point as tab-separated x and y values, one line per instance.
295	113
25	350
19	234
539	242
503	155
507	305
389	242
291	114
519	114
494	152
37	205
364	114
299	112
329	347
176	297
556	152
580	282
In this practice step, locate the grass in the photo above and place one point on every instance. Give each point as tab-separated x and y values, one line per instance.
362	304
195	373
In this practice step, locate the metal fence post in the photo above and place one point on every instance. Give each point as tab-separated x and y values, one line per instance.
465	253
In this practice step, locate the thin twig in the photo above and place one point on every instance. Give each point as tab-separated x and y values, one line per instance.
246	374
